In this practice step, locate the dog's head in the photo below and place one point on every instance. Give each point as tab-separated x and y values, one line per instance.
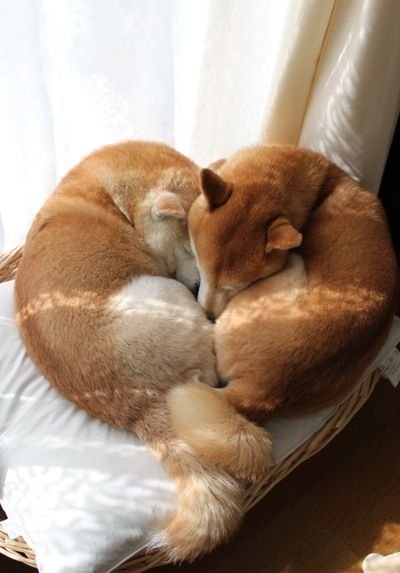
162	220
241	230
154	186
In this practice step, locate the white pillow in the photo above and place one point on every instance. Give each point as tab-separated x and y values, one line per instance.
83	495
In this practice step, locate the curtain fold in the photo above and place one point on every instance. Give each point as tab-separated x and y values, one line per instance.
298	53
225	54
355	100
206	76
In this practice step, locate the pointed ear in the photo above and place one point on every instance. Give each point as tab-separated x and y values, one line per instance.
282	235
216	165
166	205
215	189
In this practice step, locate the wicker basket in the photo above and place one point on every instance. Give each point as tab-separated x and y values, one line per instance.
17	549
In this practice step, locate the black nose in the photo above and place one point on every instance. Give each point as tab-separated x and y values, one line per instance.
210	316
195	288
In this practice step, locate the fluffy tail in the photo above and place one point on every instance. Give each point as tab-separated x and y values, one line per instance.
210	506
203	418
200	445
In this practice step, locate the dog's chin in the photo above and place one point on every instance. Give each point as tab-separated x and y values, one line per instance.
188	274
191	281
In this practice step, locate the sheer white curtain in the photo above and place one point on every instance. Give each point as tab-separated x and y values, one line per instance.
207	76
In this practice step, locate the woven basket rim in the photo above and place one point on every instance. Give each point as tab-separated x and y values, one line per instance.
19	550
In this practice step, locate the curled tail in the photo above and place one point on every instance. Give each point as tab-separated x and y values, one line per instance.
204	419
205	446
210	506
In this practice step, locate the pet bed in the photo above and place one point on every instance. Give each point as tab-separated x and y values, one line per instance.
118	540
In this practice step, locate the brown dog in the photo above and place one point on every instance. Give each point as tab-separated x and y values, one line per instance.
108	326
294	342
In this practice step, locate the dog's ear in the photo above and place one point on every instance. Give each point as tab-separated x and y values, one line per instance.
215	189
167	205
282	235
216	165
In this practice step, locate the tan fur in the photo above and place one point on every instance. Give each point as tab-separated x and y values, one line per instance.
105	322
214	431
297	341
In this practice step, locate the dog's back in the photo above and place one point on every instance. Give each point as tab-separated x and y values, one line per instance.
83	250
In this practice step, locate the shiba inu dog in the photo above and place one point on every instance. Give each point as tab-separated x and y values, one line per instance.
293	334
106	322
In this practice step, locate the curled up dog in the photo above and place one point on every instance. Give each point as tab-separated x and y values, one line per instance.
104	318
296	261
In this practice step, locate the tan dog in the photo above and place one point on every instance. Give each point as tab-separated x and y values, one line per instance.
295	342
108	326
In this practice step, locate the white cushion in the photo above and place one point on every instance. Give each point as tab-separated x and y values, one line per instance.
83	495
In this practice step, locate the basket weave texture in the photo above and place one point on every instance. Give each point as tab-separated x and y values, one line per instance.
19	550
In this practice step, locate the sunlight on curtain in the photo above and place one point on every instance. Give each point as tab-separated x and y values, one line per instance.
299	48
75	75
207	76
355	100
224	58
